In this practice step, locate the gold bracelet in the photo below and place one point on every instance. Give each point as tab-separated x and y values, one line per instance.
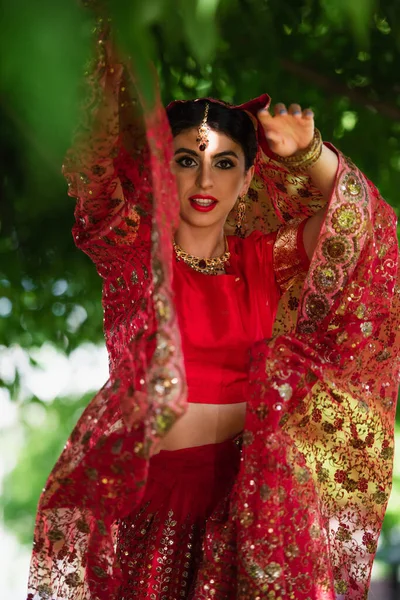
304	159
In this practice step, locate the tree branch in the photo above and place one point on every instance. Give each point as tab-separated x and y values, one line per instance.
339	89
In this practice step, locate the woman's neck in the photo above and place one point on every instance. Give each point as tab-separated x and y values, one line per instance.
202	242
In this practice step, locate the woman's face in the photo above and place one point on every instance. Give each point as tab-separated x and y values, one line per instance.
209	182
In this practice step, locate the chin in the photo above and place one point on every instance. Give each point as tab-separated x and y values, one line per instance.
193	217
202	222
203	219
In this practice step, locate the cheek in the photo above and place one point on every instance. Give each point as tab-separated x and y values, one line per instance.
235	183
183	180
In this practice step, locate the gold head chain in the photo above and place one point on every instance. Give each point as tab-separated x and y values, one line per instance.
203	131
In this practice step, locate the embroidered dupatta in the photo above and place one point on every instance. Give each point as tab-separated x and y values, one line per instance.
306	510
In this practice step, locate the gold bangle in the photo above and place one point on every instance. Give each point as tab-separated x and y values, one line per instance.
304	159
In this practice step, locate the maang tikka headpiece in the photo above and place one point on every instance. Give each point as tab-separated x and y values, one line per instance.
202	134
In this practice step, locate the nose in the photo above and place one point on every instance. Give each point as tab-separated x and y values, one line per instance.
204	176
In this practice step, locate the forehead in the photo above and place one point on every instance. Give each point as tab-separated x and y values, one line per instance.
217	142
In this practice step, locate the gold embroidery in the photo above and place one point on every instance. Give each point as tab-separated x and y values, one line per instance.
287	262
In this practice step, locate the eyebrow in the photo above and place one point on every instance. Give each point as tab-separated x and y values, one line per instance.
218	155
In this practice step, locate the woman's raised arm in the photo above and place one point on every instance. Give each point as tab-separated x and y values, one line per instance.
323	176
103	173
289	132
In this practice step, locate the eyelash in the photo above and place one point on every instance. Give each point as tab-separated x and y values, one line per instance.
181	160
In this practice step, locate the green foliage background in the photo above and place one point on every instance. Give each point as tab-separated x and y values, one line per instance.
341	58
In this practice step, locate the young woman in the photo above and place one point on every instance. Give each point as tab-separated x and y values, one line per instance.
256	462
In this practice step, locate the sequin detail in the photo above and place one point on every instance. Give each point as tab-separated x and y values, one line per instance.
158	558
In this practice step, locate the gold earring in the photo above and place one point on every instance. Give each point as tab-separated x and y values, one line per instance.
241	209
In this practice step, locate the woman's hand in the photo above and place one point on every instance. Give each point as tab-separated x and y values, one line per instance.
288	131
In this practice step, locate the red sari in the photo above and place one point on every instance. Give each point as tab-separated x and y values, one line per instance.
304	511
160	542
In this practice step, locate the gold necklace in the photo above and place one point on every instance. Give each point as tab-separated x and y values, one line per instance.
208	266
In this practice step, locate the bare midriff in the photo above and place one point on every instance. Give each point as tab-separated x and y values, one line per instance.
205	424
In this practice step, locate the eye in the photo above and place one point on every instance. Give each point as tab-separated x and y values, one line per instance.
186	162
225	164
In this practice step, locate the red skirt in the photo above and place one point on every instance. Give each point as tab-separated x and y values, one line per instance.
160	543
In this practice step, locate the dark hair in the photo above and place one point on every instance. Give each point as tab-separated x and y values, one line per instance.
233	122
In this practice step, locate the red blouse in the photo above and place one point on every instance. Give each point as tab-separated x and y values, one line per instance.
221	317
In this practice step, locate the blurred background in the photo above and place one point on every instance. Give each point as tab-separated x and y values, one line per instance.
340	57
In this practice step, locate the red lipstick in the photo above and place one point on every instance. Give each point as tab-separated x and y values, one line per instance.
203	202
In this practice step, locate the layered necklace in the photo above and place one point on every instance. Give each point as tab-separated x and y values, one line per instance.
208	266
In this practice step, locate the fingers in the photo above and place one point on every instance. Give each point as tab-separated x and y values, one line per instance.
280	109
308	113
294	110
264	115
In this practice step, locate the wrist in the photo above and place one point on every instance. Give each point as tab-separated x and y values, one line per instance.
316	162
307	147
303	160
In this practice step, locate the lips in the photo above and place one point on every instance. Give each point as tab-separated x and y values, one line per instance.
203	203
